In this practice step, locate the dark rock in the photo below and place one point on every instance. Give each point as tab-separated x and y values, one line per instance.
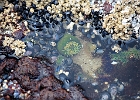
18	34
55	52
50	83
28	66
54	2
62	77
68	61
7	65
81	23
33	5
105	96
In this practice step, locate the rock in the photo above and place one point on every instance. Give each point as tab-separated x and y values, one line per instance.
7	65
105	96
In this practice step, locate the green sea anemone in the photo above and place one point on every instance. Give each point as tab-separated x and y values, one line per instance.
69	45
72	48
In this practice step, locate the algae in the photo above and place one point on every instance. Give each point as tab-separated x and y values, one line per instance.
60	59
124	56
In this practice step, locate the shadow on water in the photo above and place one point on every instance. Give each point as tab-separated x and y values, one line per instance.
130	74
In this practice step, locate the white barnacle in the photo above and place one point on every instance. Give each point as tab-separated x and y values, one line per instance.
70	26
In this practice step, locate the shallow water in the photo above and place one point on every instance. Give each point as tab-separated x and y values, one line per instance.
94	67
98	70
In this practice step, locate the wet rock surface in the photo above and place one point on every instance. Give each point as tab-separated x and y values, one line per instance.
26	72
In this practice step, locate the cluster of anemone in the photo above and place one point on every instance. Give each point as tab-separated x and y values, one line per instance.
72	48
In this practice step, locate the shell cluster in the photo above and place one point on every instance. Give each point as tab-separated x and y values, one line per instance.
41	44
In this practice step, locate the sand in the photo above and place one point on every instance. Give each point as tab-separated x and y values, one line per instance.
85	60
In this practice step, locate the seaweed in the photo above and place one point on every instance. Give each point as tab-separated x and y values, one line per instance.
60	59
124	56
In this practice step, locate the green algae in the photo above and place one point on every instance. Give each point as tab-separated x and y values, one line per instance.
60	59
124	56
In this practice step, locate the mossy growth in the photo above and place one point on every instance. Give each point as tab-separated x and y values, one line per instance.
69	45
124	56
60	59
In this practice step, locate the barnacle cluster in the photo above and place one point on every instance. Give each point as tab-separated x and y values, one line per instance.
8	18
72	48
116	48
119	21
57	7
16	45
124	56
9	21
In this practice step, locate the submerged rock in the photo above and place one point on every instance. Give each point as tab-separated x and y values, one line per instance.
105	96
113	90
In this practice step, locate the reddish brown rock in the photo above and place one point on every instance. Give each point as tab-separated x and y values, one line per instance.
7	65
28	66
43	85
107	7
50	83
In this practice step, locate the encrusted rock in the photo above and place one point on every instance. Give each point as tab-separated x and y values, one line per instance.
17	45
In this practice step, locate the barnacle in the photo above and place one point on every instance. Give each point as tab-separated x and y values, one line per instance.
8	41
16	45
120	20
